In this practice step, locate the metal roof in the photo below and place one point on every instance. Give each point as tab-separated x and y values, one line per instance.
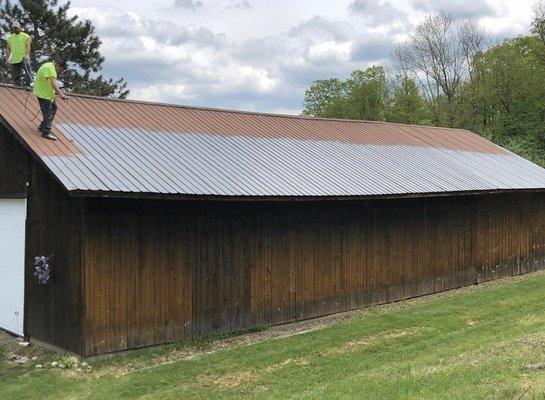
131	147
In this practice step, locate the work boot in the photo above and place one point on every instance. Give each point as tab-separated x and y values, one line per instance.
49	135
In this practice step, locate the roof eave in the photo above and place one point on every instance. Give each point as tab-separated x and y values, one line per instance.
239	198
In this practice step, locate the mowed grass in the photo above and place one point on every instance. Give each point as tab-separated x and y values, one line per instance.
484	342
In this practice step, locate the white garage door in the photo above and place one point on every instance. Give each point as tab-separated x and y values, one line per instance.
12	264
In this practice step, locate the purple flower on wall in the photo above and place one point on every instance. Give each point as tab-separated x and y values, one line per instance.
42	269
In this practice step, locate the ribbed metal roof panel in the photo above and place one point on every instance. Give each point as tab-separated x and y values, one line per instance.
136	147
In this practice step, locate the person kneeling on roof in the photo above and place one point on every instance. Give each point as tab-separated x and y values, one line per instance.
18	53
45	88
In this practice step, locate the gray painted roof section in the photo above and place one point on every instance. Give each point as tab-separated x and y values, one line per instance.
136	160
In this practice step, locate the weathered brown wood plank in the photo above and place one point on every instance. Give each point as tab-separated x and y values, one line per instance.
210	267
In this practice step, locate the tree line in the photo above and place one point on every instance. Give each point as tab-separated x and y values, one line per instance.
451	73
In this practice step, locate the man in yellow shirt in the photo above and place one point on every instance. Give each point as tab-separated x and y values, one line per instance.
18	53
45	89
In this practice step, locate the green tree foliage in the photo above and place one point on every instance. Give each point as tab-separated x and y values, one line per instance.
362	96
321	94
407	105
511	88
57	36
365	95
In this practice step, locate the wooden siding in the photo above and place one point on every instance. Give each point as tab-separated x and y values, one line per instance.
13	166
158	271
53	312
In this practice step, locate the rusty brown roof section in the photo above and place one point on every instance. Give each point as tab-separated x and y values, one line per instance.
18	107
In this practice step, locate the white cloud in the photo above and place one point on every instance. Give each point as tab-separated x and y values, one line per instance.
377	12
240	5
234	77
330	50
457	8
189	4
264	57
153	92
320	27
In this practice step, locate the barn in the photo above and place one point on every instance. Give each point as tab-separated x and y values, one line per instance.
167	222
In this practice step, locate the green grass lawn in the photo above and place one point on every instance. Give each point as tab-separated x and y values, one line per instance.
484	342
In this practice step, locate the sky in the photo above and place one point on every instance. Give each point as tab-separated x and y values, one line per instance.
261	55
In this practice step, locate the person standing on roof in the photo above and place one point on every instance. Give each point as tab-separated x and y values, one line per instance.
18	53
45	89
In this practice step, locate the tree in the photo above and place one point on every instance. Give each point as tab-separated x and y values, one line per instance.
407	105
538	23
321	94
362	96
438	55
514	85
367	94
58	36
473	41
504	99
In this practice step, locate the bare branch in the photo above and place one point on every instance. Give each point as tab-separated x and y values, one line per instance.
439	55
